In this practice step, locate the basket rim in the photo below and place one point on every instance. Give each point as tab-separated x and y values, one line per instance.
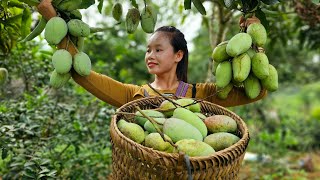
218	154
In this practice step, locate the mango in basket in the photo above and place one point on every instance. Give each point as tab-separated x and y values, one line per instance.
190	104
191	118
194	148
167	107
149	112
131	130
201	116
150	127
220	123
221	140
178	129
155	141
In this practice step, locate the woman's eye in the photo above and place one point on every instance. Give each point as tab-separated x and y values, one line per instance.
158	50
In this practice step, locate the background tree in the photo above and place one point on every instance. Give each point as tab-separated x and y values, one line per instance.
64	133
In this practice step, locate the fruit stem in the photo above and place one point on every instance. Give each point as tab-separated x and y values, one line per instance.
156	127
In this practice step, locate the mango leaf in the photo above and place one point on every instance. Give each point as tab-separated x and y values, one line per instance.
262	17
249	5
31	2
86	3
100	5
25	22
134	3
270	2
4	153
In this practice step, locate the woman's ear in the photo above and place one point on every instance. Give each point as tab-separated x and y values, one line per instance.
179	56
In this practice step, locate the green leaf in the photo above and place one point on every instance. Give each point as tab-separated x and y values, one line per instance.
31	2
4	153
315	1
100	5
134	3
86	3
25	22
249	6
262	17
270	2
29	163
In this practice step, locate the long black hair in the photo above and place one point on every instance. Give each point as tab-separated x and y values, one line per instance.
178	42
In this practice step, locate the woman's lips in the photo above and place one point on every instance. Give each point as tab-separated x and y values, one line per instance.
151	64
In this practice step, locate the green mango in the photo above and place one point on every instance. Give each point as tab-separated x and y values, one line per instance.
117	11
221	140
214	67
190	104
131	130
260	65
58	80
258	34
178	129
194	148
62	61
223	74
241	66
219	53
155	141
191	118
148	21
132	20
56	29
69	5
82	64
150	127
238	44
201	116
252	86
251	52
167	107
220	123
75	14
271	82
223	93
141	120
78	28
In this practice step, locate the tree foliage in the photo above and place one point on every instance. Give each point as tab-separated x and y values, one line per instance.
64	134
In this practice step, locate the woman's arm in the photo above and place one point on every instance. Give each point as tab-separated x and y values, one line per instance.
236	97
105	88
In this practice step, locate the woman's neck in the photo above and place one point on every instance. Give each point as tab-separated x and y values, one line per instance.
165	83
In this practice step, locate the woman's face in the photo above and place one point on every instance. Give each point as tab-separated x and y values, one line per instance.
160	57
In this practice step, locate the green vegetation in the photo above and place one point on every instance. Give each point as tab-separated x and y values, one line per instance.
64	134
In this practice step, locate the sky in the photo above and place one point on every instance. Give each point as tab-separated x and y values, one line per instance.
92	17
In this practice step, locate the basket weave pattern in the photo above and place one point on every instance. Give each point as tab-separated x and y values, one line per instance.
131	160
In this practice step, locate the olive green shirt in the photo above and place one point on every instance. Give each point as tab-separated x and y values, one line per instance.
117	94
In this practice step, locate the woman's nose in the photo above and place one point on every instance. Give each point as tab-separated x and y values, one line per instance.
150	55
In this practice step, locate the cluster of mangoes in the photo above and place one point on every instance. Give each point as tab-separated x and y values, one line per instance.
240	62
67	24
75	30
179	126
147	17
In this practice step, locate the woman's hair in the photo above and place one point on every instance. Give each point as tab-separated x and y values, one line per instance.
178	42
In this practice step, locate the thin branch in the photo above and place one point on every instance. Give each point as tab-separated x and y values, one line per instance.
174	103
156	127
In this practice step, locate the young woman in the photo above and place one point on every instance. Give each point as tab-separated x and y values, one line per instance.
167	59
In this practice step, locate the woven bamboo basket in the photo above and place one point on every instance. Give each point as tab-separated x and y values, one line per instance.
131	160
